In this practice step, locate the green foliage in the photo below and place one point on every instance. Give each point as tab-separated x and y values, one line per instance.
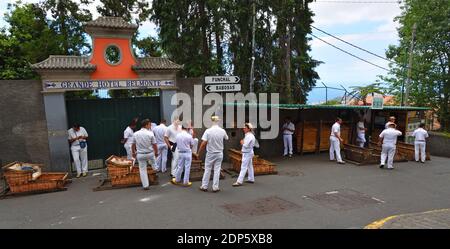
212	37
136	11
68	17
29	39
430	84
149	46
133	93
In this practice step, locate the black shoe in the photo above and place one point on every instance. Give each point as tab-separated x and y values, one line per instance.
203	189
381	166
251	182
146	188
215	191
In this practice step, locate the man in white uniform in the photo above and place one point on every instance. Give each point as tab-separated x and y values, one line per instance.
128	139
184	142
389	140
390	120
78	146
161	160
335	142
247	156
212	139
144	150
287	129
170	138
361	132
420	135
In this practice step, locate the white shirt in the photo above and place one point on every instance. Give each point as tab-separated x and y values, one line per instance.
249	143
171	133
74	134
289	126
144	140
360	128
184	141
214	136
128	135
159	132
336	128
153	126
420	135
389	136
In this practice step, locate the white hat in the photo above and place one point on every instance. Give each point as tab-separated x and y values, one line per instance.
215	118
249	125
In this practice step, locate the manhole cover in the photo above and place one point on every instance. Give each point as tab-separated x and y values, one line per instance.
343	199
259	207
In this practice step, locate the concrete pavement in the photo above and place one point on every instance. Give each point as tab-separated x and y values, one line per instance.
308	192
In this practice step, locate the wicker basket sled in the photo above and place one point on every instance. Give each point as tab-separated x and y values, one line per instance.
260	166
32	180
122	173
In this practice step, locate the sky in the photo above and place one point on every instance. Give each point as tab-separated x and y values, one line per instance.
366	23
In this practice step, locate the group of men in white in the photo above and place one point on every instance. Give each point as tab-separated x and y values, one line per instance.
387	140
155	145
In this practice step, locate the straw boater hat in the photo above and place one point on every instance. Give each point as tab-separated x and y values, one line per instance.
215	118
249	125
391	123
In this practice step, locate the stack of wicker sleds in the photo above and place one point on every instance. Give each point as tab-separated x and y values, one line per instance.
260	166
28	178
122	174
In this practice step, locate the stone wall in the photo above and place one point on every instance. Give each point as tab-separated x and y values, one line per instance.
23	127
438	144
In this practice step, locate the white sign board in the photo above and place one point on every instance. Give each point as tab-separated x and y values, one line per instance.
106	84
223	88
221	79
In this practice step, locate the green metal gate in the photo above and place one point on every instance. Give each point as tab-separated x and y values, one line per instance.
106	119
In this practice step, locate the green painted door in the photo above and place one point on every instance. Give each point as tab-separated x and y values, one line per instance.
106	119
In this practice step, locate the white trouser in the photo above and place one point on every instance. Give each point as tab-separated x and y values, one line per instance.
80	158
152	161
184	163
212	161
335	147
419	146
247	164
361	140
161	160
195	146
174	164
388	151
287	141
128	150
142	161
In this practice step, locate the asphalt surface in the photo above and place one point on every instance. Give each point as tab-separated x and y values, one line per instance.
305	194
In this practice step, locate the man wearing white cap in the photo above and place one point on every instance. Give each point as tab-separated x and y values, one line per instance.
288	130
247	156
170	137
212	139
389	140
420	135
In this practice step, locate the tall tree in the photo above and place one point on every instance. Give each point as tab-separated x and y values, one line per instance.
215	37
136	11
430	85
29	39
68	17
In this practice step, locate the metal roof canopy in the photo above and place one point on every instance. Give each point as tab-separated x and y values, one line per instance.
330	107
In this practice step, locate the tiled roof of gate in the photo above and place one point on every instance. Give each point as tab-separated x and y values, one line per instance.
65	62
156	63
111	22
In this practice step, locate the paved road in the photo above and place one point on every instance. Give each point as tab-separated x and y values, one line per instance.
308	192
